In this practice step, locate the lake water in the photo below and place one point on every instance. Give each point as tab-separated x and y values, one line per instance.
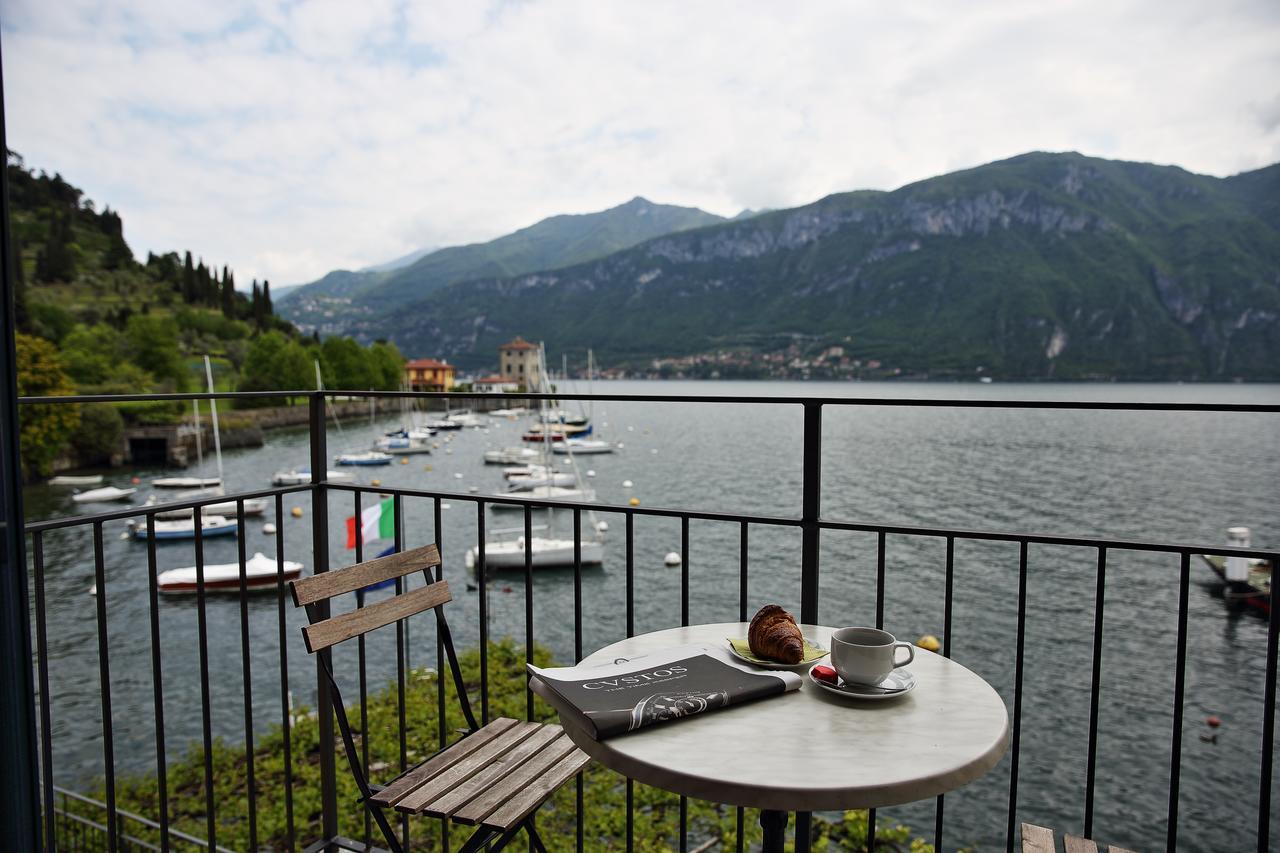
1131	475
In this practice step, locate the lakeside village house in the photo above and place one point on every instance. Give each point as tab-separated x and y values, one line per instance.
518	368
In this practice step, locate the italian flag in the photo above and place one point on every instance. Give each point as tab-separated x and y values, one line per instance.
376	522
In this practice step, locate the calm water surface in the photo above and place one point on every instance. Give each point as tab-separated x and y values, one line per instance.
1131	475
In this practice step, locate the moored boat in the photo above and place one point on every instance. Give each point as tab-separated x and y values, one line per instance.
582	445
1245	580
76	480
511	456
546	553
261	573
365	458
185	528
547	493
252	506
302	477
186	482
106	493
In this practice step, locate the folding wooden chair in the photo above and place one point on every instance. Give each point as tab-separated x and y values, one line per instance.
494	777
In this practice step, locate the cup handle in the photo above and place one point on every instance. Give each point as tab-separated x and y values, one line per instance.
911	654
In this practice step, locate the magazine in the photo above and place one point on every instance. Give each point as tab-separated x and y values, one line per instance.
610	699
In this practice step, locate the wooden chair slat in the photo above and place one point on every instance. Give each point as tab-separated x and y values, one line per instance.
328	632
1037	839
457	798
479	809
1076	844
1115	849
414	777
446	780
533	794
348	579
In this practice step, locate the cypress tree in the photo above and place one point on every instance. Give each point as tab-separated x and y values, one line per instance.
228	293
255	306
188	280
266	298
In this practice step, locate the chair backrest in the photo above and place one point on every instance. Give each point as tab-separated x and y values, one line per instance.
328	632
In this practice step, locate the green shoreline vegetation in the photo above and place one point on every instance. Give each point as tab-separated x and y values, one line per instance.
657	813
93	320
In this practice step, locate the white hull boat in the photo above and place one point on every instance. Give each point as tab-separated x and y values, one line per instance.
185	528
106	493
186	482
534	479
547	553
402	446
368	457
467	419
548	493
582	445
512	456
261	573
252	506
294	477
72	480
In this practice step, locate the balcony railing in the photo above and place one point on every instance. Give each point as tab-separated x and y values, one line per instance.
227	649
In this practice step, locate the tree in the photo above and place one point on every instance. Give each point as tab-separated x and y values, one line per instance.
21	318
93	353
98	438
228	293
387	365
188	280
152	344
345	365
275	363
266	298
44	427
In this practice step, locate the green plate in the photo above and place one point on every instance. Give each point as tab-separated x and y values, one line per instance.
742	649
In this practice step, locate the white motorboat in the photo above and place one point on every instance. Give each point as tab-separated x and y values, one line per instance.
185	528
260	571
548	493
546	553
540	476
302	477
582	445
73	480
512	456
364	458
186	482
252	506
106	493
467	419
509	413
402	445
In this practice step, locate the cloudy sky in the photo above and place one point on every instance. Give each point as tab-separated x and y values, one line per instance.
288	139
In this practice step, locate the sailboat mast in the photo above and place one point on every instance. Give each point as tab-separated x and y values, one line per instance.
213	409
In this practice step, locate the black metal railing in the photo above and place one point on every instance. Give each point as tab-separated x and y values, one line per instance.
809	523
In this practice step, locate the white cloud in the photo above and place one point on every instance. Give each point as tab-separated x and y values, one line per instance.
287	139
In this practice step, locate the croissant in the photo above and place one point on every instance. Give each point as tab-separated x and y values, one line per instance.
774	635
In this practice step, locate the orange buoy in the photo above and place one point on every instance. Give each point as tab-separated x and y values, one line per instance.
1212	721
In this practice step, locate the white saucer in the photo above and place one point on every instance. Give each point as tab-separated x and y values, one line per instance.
896	683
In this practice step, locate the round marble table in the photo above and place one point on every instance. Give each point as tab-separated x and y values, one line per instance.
809	750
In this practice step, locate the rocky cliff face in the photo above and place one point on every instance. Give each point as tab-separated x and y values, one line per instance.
1044	265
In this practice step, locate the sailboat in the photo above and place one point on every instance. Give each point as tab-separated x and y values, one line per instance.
106	493
579	444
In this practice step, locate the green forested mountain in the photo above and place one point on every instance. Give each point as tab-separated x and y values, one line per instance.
360	302
1043	265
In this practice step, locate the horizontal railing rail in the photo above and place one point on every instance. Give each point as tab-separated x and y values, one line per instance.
809	522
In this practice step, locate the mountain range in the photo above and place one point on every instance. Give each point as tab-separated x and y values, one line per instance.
1045	265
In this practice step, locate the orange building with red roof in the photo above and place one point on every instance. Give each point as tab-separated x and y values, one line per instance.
427	374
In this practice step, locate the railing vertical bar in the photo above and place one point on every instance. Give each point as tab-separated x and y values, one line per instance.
579	793
880	580
811	492
1179	688
362	662
742	571
804	832
1095	686
320	556
741	829
949	587
631	631
104	682
1268	725
46	732
684	570
246	673
684	621
482	584
1017	694
528	607
206	722
442	722
402	625
286	718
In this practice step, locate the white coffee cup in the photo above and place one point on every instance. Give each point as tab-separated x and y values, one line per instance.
867	655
